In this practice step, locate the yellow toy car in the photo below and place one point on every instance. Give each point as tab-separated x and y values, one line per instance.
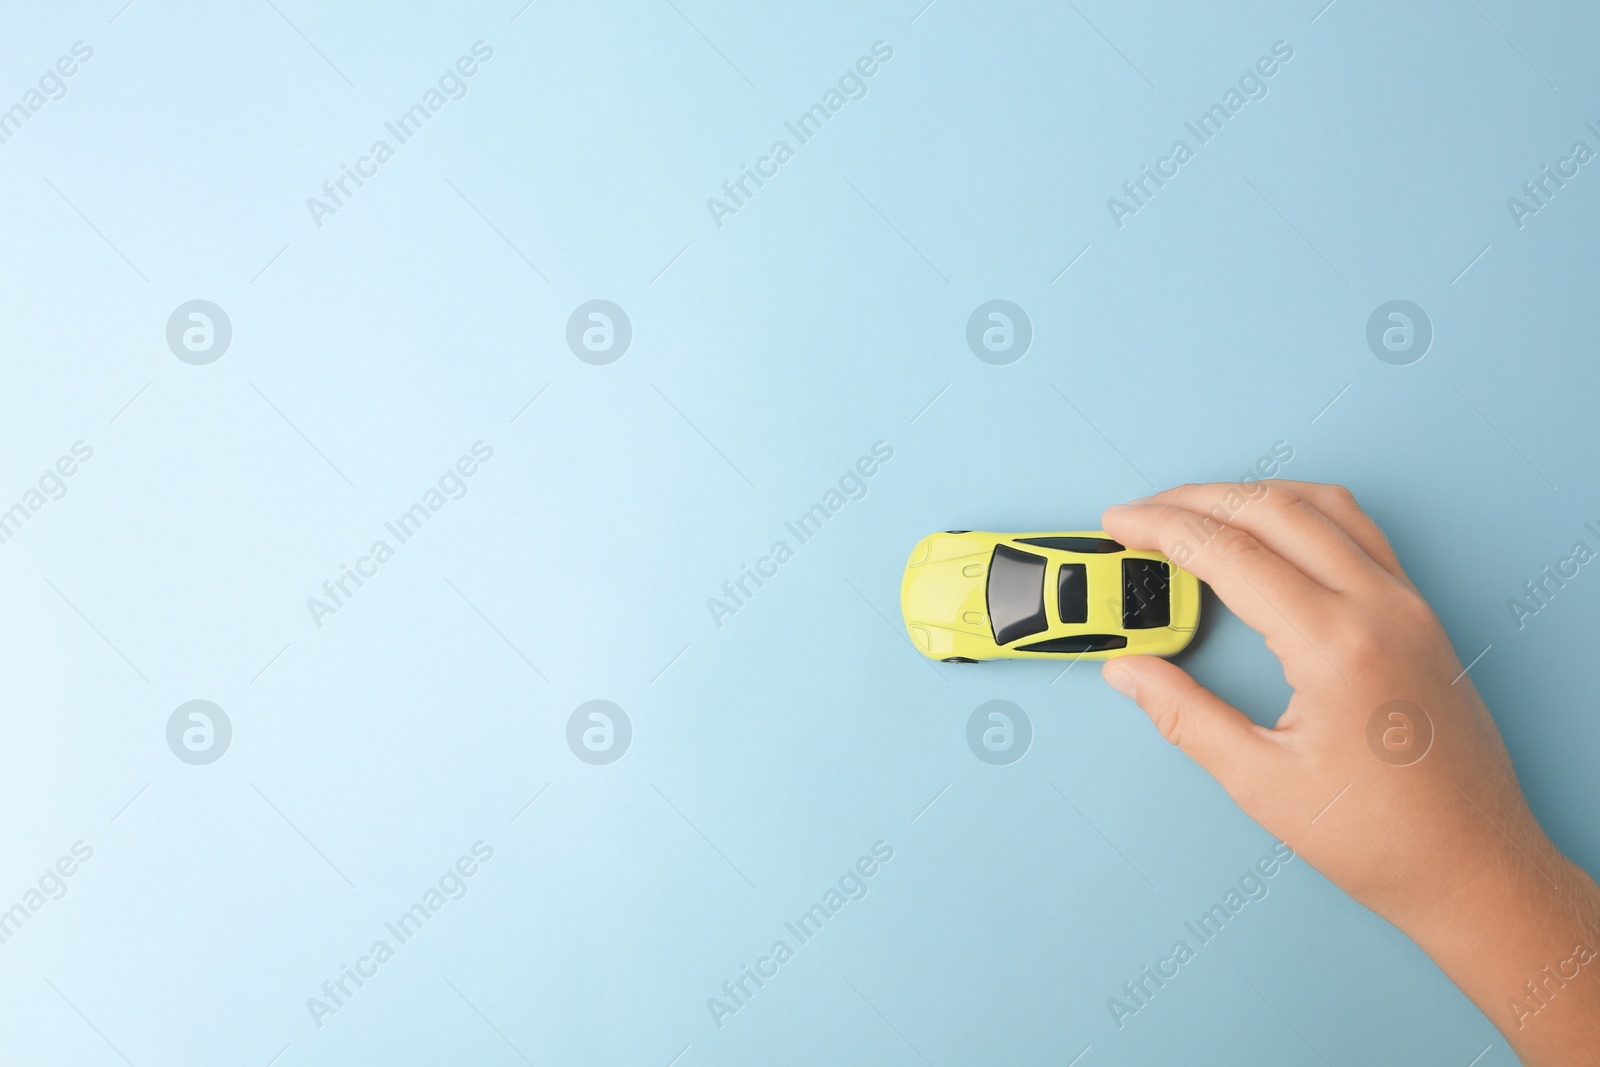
969	595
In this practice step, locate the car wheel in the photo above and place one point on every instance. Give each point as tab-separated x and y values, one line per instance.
957	531
958	659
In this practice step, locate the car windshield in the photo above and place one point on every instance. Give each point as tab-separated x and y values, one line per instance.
1016	594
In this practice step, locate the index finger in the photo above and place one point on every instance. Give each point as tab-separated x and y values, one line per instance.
1273	597
1287	521
1341	506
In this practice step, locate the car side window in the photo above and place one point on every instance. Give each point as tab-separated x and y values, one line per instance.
1078	643
1089	545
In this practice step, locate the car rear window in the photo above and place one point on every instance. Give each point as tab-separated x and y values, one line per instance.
1146	594
1072	592
1016	594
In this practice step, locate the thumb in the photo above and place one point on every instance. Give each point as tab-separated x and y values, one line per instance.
1212	732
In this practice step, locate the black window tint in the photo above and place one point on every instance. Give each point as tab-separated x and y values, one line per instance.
1072	592
1016	594
1074	544
1080	643
1146	594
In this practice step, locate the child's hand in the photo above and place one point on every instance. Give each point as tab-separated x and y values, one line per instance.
1385	772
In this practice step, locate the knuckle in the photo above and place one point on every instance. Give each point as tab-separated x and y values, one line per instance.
1411	611
1179	495
1234	546
1172	711
1341	496
1281	495
1361	646
1361	650
1168	715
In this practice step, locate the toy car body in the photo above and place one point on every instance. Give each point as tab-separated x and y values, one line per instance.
970	595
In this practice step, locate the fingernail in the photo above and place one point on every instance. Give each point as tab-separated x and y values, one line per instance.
1120	679
1141	500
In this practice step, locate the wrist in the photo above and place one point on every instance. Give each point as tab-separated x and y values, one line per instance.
1521	938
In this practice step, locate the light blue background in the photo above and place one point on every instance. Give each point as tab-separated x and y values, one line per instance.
770	753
